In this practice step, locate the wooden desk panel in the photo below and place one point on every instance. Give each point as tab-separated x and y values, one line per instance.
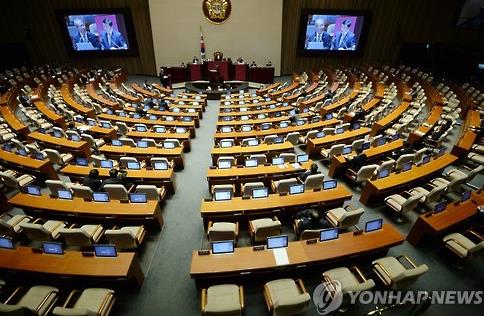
314	145
390	118
265	89
79	108
91	91
12	120
50	114
237	151
31	165
73	265
183	138
267	111
245	261
98	131
143	91
427	126
144	153
62	144
399	180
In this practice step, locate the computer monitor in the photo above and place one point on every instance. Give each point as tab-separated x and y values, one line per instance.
106	125
329	116
33	190
133	165
100	197
302	158
320	134
116	142
180	130
224	164
52	248
82	161
439	207
292	112
261	116
441	151
64	194
253	142
160	129
107	164
365	145
7	147
22	152
141	128
373	225
142	144
380	141
265	127
78	119
109	111
137	197
91	123
277	242
41	130
227	118
226	129
186	119
407	166
330	184
6	242
383	173
39	156
283	125
347	150
57	134
277	161
168	145
225	144
161	165
329	234
251	163
296	189
223	195
75	138
426	159
465	196
136	116
221	247
339	130
356	125
278	140
105	251
300	122
246	128
260	193
395	137
122	114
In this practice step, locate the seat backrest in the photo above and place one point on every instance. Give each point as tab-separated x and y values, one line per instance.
9	180
288	157
313	181
471	175
54	156
293	138
173	141
6	228
154	160
229	159
116	191
419	155
248	187
223	187
122	127
357	144
351	218
292	305
335	150
121	238
310	234
282	186
89	139
151	191
76	237
150	141
55	185
127	141
81	191
269	139
435	194
387	164
408	276
404	159
411	203
35	232
365	173
261	158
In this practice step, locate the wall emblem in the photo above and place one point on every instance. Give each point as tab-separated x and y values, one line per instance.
217	11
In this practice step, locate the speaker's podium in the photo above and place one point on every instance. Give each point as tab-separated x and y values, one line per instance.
223	68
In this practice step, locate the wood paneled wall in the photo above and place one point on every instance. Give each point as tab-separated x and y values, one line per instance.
392	23
34	23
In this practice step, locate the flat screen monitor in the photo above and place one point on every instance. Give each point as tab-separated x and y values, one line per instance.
278	140
407	166
116	142
33	190
6	242
7	147
356	125
328	234
347	150
265	127
365	145
107	164
141	128
39	156
186	119
22	152
52	248
153	117
142	144
75	138
160	165
253	142
82	161
426	159
300	122
246	128
109	111
302	158
133	165
225	144
180	130
277	242
373	225
78	119
260	193
339	130
465	196
332	32
441	151
320	135
57	134
105	251
106	125
137	197
221	247
439	207
383	173
160	129
283	125
330	184
64	194
380	141
228	118
329	116
100	197
226	129
91	123
277	161
395	137
251	163
223	195
122	114
168	145
224	164
296	189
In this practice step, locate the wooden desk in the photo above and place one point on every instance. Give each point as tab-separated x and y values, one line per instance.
144	153
98	131
72	265
79	108
278	93
41	168
123	95
50	114
245	262
398	181
427	126
390	118
265	89
12	120
340	162
267	111
263	105
183	138
265	174
468	138
373	103
343	101
238	207
162	89
100	99
240	152
79	210
62	144
164	178
177	115
437	224
254	121
314	145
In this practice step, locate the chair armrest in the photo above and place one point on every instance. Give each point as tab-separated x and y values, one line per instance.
349	207
384	271
130	190
140	236
407	259
268	299
241	297
203	300
236	231
14	293
475	234
69	298
301	286
44	301
358	274
273	186
39	220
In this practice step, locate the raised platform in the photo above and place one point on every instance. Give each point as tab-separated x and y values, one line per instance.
214	92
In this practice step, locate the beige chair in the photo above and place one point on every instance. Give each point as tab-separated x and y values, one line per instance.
223	299
313	181
247	188
464	247
335	150
262	228
387	164
127	141
153	193
223	187
351	280
81	191
220	231
286	297
288	157
56	185
403	159
451	184
269	139
456	174
57	158
93	143
229	159
38	300
394	274
150	141
94	301
116	191
344	217
50	230
122	128
83	236
428	197
401	205
261	158
308	233
126	238
15	182
282	186
364	174
11	227
293	138
245	142
123	161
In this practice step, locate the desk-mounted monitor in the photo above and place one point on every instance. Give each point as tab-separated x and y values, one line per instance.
383	173
52	248
100	197
137	197
465	196
6	242
161	165
330	184
64	194
260	193
277	161
222	247
440	207
107	164
133	165
82	161
33	190
302	158
251	163
224	164
223	195
277	242
108	251
373	225
329	234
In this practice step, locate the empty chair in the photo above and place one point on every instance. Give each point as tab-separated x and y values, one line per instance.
464	247
50	230
311	134
247	188
220	231
335	150
351	280
16	182
122	128
269	139
261	158
83	236
364	174
11	226
226	159
127	141
477	158
429	197
59	130
81	191
401	205
344	217
394	274
456	174
57	158
223	299
123	161
153	193
419	155
451	184
286	297
171	142
93	143
288	157
357	144
293	138
386	165
93	301
38	300
116	191
126	238
223	187
55	185
282	186
313	181
374	140
328	131
245	142
403	159
262	228
150	141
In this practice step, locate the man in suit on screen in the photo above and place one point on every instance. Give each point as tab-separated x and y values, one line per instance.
320	36
84	36
112	39
345	40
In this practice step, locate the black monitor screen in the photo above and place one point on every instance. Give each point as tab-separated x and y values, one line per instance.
439	207
82	162
6	242
33	190
52	248
465	196
105	251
